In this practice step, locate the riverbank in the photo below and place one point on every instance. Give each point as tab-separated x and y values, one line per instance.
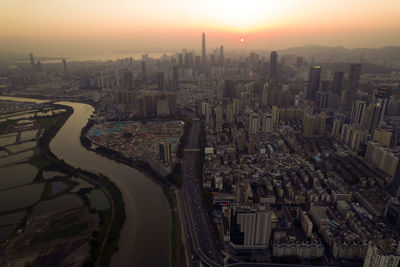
105	243
177	248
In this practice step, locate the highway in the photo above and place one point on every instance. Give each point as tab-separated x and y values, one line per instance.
202	243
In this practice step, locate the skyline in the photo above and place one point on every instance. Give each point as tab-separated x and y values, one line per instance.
55	28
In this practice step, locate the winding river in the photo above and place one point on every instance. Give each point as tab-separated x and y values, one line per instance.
145	237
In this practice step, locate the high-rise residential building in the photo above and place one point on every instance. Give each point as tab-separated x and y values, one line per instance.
371	117
273	65
230	113
382	254
203	49
221	55
337	82
175	77
275	115
299	62
180	59
381	98
392	213
254	123
160	80
267	125
144	72
352	86
308	125
127	79
313	83
165	152
357	112
252	228
219	116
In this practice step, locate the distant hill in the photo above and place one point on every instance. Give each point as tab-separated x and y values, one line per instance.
340	54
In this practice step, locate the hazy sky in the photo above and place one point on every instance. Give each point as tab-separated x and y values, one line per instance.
73	27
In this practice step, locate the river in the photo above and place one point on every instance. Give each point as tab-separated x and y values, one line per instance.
145	237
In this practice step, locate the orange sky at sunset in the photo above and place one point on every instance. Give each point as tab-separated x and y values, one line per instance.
52	27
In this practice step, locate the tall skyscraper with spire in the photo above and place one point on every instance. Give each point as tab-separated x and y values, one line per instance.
203	49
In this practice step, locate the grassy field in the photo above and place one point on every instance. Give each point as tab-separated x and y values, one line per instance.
47	122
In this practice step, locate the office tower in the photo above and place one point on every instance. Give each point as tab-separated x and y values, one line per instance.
337	82
381	253
212	60
160	80
175	76
313	83
144	72
197	61
273	61
254	123
353	83
357	112
180	59
203	49
221	55
267	123
65	67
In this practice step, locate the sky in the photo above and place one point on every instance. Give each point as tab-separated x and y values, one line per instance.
77	27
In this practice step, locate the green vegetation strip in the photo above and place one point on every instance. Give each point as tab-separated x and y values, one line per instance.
66	232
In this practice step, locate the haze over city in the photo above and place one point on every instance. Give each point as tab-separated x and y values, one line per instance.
76	28
215	133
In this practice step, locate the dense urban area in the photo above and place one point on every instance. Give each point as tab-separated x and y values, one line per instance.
286	157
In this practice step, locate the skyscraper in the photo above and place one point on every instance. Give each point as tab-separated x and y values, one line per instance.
273	64
65	67
221	55
144	72
313	83
32	59
203	49
353	83
337	82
